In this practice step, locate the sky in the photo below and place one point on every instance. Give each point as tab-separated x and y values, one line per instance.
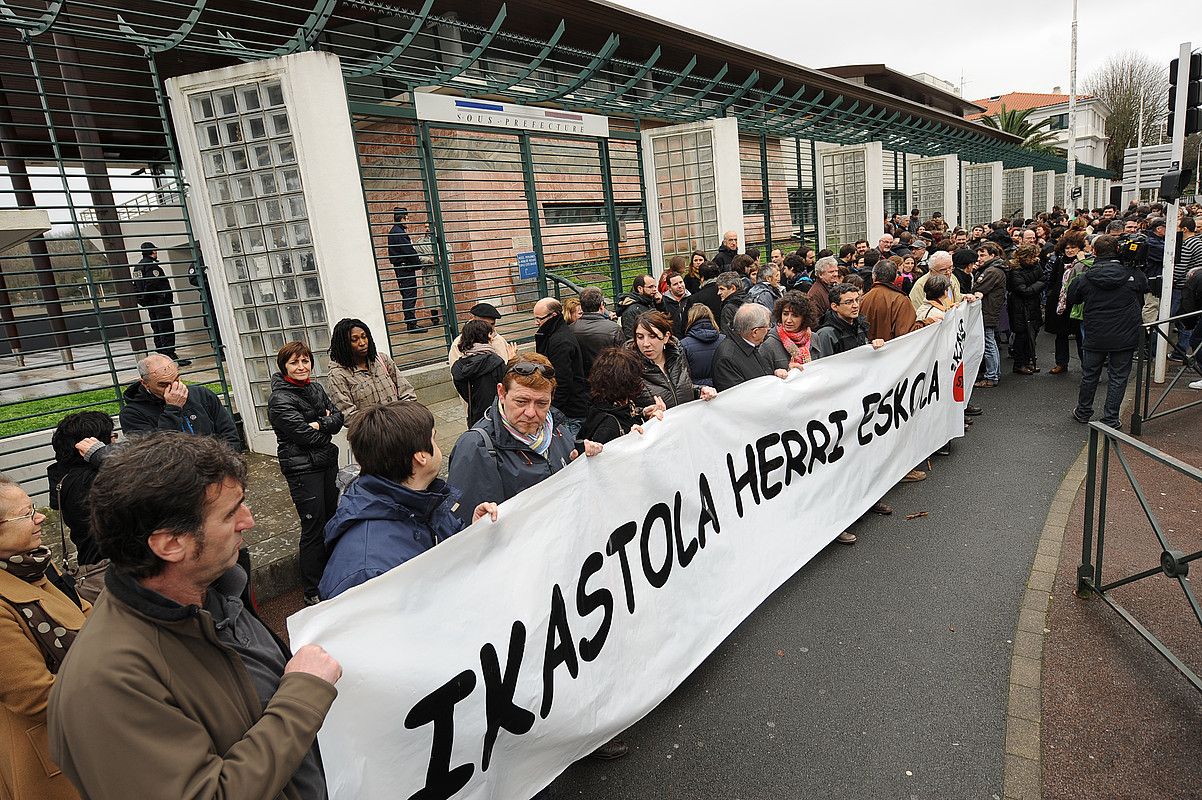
994	48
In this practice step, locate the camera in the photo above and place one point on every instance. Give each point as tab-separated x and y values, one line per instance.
1133	249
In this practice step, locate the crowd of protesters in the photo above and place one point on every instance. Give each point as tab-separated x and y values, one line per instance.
169	685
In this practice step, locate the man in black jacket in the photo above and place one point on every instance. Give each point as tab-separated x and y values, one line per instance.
160	401
729	249
594	330
558	344
734	295
642	297
1113	296
153	289
738	357
707	295
405	263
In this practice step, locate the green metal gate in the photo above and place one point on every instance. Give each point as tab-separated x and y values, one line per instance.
500	217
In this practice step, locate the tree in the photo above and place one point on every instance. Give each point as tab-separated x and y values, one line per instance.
1035	136
1119	83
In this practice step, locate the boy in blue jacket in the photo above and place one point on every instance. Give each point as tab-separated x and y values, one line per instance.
398	508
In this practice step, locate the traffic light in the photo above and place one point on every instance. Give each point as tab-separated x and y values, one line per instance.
1193	98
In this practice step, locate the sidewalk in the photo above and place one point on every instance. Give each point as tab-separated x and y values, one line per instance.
1118	721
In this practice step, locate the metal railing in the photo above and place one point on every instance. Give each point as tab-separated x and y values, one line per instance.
1174	563
1156	332
170	194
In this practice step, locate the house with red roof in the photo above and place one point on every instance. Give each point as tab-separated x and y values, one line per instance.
1092	113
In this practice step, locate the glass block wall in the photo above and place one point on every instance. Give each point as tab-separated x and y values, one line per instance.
844	185
1012	191
1058	200
927	180
254	187
686	188
1039	193
978	194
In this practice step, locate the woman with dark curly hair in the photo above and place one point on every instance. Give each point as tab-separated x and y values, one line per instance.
795	319
478	371
359	375
1025	283
615	383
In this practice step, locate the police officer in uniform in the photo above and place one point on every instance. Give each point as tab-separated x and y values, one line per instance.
406	261
153	289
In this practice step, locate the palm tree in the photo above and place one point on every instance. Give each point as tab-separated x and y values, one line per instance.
1035	136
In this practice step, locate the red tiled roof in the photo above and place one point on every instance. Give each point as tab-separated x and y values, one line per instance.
1020	101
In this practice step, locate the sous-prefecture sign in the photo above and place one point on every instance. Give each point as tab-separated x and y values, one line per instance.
494	114
481	669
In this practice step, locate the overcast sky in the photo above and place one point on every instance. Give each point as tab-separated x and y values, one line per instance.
1018	46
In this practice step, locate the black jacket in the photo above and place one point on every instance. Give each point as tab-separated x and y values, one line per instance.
476	376
1114	296
837	336
594	332
1191	297
730	307
401	252
699	346
991	283
672	384
1026	286
724	257
607	422
707	296
202	414
736	361
556	341
70	484
152	285
631	306
291	408
678	311
1053	271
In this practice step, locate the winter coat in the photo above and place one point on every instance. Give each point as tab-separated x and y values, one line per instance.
631	306
1113	295
991	283
27	770
820	296
476	377
401	252
290	409
70	484
607	422
707	296
1154	268
773	351
594	332
736	361
764	294
1054	269
838	336
1025	284
1191	296
730	307
888	311
152	287
672	384
354	390
556	341
380	524
698	346
725	257
201	414
496	472
676	310
199	714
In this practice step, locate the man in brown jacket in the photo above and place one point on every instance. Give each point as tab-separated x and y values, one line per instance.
886	307
174	688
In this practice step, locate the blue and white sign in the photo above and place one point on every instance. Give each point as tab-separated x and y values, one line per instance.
527	265
495	114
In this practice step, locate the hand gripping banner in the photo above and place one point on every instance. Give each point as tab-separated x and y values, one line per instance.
484	667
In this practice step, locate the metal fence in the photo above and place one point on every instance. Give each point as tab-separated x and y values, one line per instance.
1156	334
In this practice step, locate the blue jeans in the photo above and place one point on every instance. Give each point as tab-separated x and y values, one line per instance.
993	358
1118	370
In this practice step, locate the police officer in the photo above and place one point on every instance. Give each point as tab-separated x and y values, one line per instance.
405	262
154	294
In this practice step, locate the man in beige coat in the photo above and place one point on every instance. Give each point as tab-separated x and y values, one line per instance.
174	688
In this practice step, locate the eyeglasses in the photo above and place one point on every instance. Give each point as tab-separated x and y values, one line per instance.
33	512
526	368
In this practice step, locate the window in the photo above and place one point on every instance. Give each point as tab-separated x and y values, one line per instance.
754	208
1059	122
589	213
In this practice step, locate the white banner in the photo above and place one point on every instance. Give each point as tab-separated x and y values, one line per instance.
482	668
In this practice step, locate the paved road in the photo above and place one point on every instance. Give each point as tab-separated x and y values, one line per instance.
879	670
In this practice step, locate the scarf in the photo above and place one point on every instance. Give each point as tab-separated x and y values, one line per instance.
539	442
797	344
479	347
29	567
305	382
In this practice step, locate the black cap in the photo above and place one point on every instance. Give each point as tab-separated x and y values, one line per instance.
148	247
484	311
963	257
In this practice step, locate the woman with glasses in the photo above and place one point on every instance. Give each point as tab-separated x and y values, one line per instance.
39	618
517	443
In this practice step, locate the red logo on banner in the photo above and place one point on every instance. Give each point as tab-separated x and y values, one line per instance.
958	384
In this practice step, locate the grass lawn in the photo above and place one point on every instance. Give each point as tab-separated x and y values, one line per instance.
45	412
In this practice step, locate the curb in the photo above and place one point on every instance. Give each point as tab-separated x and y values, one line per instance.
1022	776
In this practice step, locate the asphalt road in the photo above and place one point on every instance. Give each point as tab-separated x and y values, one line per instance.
879	670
